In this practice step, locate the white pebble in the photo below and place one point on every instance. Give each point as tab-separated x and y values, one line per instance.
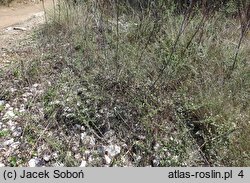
9	114
15	145
2	102
34	162
83	164
55	155
46	157
8	142
78	156
107	159
112	150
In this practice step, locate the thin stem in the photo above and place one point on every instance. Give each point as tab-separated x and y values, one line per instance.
181	30
45	14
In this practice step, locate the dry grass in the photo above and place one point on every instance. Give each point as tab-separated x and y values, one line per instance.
173	87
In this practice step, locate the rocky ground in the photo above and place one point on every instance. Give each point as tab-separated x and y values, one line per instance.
23	143
38	129
16	44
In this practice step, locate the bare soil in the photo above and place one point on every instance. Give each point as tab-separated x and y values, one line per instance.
16	25
18	12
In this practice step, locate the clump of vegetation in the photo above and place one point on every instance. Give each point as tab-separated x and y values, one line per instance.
170	79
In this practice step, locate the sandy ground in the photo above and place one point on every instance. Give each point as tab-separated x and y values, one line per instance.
18	12
16	25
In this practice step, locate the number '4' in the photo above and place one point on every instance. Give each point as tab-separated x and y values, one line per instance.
241	174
